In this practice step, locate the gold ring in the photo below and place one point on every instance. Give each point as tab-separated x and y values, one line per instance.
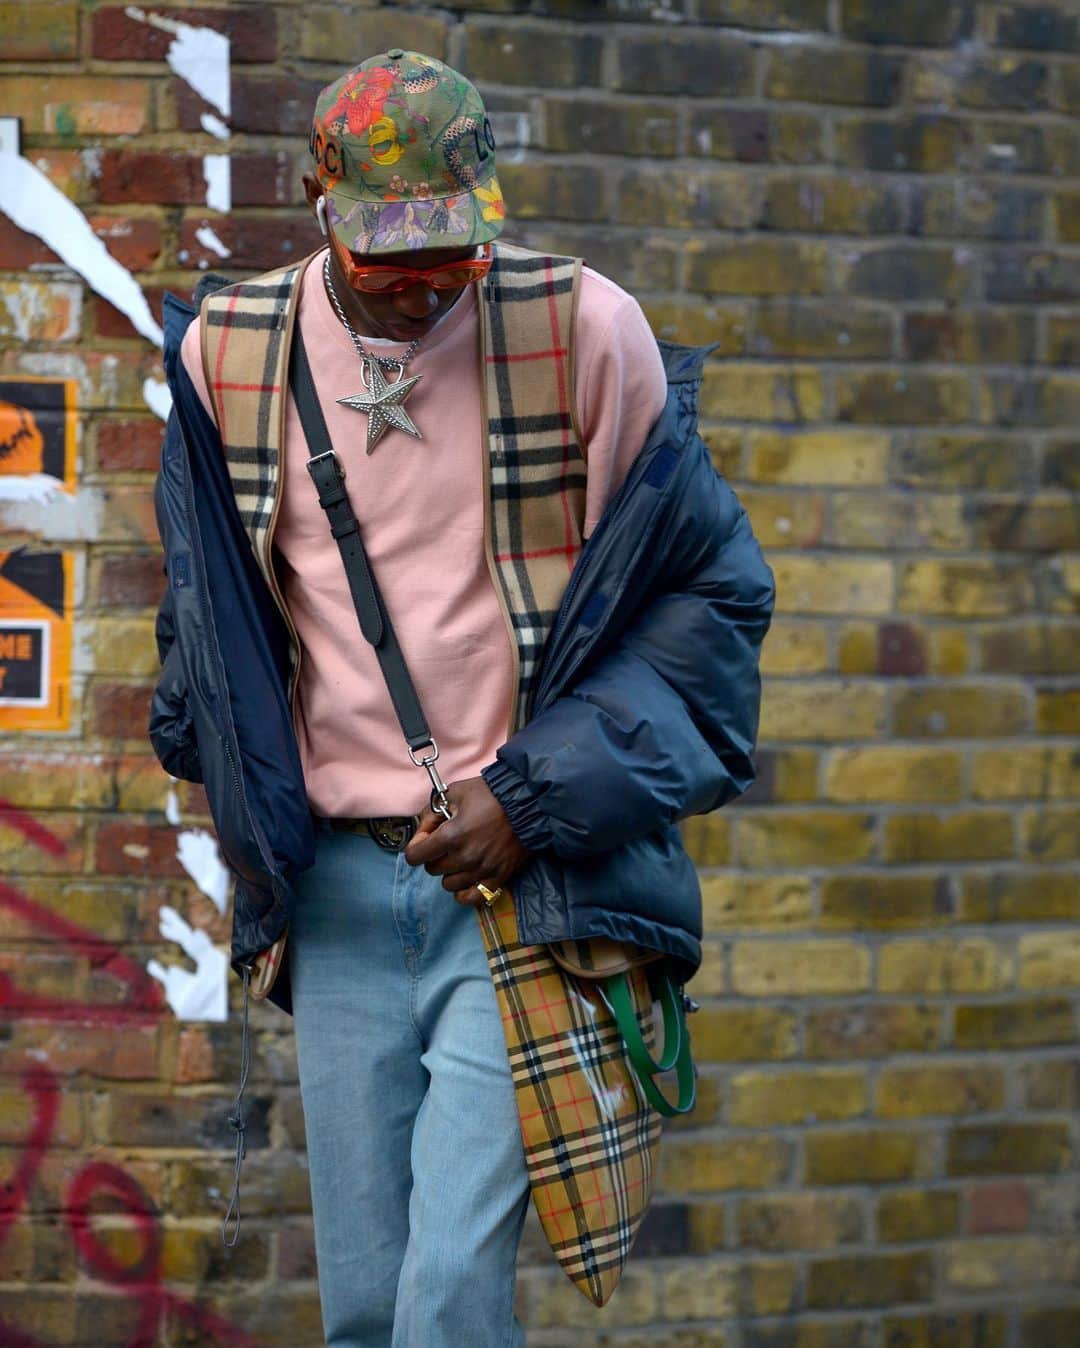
490	895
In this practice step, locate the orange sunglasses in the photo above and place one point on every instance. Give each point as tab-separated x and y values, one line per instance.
389	280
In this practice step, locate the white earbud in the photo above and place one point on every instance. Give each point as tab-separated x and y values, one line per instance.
320	215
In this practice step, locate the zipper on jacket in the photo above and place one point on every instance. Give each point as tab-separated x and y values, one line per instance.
575	581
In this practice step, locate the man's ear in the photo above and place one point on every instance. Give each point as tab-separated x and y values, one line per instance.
312	190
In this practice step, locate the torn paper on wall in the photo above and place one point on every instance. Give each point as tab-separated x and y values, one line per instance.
198	995
37	205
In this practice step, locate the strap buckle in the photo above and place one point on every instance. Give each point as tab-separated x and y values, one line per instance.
328	454
439	800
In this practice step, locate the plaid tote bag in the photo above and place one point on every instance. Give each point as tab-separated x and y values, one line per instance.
591	1138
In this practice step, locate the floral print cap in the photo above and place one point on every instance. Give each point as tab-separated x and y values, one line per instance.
405	155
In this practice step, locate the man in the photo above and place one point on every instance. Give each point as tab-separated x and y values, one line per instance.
494	410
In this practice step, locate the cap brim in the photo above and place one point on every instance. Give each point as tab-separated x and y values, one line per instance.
410	223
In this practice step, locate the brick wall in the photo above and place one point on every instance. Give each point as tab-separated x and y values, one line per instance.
872	208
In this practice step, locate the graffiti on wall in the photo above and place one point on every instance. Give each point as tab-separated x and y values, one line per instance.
96	1182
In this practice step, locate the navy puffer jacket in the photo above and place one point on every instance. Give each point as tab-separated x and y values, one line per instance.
645	710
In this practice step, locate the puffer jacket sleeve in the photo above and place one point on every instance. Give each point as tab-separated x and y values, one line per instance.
663	724
171	724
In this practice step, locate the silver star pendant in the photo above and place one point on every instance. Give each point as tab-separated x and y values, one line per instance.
382	403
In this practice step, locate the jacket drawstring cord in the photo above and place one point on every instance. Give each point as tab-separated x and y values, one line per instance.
238	1124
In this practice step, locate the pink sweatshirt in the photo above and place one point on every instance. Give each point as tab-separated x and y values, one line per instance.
420	504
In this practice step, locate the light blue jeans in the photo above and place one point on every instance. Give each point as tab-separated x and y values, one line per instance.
418	1179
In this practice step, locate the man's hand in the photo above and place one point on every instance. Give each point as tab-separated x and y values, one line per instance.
476	846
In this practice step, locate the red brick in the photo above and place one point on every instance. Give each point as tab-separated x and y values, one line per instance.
256	242
110	322
135	241
149	176
120	711
151	850
252	32
20	250
129	446
71	1049
263	105
131	580
263	179
998	1209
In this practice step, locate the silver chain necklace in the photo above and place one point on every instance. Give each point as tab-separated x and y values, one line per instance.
381	401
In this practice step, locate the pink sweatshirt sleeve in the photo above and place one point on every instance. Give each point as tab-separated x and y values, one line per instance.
191	358
621	386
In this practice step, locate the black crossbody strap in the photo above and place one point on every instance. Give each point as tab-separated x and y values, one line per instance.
329	478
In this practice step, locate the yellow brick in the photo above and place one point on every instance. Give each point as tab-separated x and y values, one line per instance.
973	711
922	1214
875	1030
122	646
834	585
1026	772
785	519
1057	712
711	978
786	776
873	1156
821	838
707	838
966	589
1044	895
77	105
886	520
799	968
703	1289
763	1099
756	266
894	774
759	392
548	1299
795	647
799	1221
1051	834
770	1287
837	457
981	835
747	902
727	1162
742	1033
969	964
821	711
880	902
1050	961
56	780
916	1092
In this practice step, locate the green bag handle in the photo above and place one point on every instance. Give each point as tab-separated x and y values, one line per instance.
676	1043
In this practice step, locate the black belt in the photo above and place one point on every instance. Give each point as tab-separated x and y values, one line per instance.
392	832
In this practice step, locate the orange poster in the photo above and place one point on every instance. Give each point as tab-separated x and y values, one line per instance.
37	452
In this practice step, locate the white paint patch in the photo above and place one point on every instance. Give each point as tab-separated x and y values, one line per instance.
158	398
214	125
198	853
200	56
31	312
172	804
9	135
38	206
217	171
209	239
39	504
33	488
198	995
